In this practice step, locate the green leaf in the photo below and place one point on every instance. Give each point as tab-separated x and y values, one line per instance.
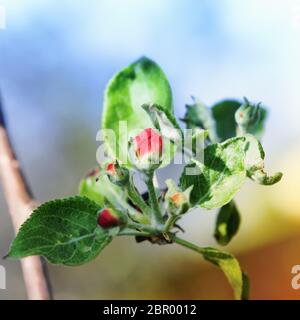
223	114
63	231
139	83
227	224
255	165
198	115
221	175
231	268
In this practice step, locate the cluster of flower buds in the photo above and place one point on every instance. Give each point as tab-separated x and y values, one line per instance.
145	150
117	174
177	201
109	218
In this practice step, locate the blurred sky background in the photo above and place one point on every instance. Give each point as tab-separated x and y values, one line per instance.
55	60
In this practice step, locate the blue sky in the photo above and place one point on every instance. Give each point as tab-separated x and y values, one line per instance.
212	49
57	56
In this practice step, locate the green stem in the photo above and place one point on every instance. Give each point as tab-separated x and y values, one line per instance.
187	244
135	215
134	233
142	227
156	212
136	198
170	222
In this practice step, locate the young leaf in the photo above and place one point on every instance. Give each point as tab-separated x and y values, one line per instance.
221	175
226	262
198	115
227	224
139	83
165	122
63	231
223	113
231	268
255	156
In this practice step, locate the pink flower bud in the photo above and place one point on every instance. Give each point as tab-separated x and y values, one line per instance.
110	169
147	149
148	141
108	219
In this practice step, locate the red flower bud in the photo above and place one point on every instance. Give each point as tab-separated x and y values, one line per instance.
108	219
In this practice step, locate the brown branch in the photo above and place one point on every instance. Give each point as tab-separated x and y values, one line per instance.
20	204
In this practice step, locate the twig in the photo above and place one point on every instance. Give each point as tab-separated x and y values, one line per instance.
20	204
